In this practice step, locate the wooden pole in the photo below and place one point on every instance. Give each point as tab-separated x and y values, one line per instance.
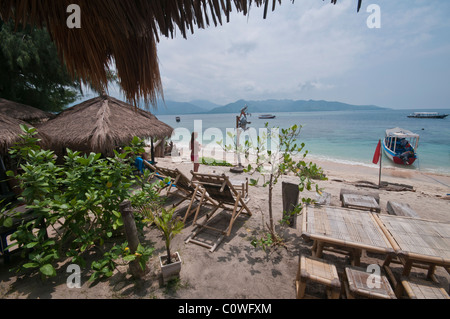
379	173
132	237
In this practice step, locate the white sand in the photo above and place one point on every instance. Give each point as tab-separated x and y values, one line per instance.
236	269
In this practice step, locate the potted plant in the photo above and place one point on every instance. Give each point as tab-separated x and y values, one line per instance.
169	226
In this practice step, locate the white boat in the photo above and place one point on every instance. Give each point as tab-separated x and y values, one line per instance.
428	115
400	146
266	116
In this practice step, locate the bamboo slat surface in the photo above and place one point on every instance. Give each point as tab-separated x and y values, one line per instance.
420	239
345	227
421	289
318	270
360	283
360	201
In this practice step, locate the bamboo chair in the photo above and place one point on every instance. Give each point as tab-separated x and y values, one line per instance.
158	174
181	186
228	198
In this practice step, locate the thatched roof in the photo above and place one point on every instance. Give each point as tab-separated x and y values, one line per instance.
102	124
10	131
22	112
124	32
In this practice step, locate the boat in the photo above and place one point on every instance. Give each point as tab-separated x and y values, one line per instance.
177	119
400	146
428	115
266	116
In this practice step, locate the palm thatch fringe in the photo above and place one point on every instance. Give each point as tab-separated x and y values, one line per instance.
124	32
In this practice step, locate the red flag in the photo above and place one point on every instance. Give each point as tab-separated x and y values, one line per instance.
376	156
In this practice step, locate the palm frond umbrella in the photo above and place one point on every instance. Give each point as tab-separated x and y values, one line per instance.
123	32
22	111
101	125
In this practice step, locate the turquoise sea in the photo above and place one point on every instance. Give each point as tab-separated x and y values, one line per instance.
343	136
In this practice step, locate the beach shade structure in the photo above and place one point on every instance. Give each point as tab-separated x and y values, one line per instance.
90	36
10	132
101	125
23	112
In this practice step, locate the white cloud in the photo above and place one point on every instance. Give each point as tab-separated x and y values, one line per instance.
309	49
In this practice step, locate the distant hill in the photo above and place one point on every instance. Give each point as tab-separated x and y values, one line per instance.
176	108
204	104
273	106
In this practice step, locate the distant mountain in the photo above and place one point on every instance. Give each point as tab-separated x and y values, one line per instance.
176	108
204	104
273	106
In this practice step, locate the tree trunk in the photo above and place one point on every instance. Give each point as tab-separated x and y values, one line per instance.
271	228
132	237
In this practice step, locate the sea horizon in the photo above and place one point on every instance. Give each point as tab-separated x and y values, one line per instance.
347	137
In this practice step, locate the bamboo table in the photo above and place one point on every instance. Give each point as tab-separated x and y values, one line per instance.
360	202
350	229
417	241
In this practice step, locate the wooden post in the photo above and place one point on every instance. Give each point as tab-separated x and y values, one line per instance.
379	174
290	193
132	237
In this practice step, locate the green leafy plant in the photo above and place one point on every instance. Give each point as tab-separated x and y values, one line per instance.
284	156
167	223
79	200
105	266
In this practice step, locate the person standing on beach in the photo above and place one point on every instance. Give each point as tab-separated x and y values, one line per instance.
195	148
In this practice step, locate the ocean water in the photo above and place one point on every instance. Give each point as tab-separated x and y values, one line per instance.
342	136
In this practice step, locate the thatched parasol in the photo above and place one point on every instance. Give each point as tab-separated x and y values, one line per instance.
124	32
22	112
101	125
10	131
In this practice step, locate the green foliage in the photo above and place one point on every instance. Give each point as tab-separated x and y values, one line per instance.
31	71
105	266
167	223
79	200
284	156
213	162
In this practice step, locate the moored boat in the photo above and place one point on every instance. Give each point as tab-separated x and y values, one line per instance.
428	115
266	116
400	146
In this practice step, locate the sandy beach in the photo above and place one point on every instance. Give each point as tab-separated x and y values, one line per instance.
236	269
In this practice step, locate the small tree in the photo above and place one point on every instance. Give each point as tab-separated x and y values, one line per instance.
280	159
167	223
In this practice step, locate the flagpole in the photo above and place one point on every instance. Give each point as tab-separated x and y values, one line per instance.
379	174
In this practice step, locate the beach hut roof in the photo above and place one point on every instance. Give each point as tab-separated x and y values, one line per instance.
10	131
124	32
22	112
101	125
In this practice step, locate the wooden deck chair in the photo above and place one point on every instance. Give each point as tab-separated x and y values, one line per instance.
227	197
158	174
181	186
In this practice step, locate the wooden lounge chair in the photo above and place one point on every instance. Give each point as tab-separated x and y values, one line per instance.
181	186
228	198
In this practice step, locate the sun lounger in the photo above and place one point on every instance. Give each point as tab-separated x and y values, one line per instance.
221	190
181	186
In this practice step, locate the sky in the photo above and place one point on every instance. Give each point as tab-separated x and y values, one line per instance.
311	49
